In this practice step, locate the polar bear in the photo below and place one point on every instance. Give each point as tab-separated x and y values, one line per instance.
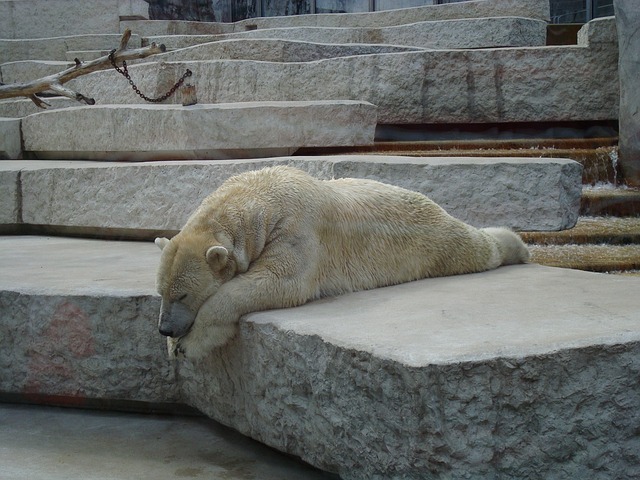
278	237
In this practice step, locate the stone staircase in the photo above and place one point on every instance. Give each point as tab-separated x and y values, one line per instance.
518	372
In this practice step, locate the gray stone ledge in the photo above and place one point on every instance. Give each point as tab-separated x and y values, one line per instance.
512	373
520	372
446	34
10	138
27	70
26	19
521	193
55	48
274	50
201	131
536	84
536	9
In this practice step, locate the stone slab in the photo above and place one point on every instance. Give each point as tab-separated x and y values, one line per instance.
28	70
536	9
523	371
10	138
24	19
42	443
232	130
536	84
447	34
628	19
79	316
55	48
21	107
273	50
525	194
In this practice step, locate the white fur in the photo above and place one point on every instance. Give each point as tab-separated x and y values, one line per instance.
277	238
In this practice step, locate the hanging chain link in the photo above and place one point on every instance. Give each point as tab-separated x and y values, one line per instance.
125	73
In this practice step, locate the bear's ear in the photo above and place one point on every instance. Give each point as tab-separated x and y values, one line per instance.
217	257
161	242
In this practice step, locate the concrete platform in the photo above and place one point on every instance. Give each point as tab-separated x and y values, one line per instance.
10	138
202	131
43	443
26	19
139	200
537	9
55	48
524	371
424	87
444	34
273	50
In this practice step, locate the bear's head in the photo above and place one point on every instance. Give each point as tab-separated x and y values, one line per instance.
192	269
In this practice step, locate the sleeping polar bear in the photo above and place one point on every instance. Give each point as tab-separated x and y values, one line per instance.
277	237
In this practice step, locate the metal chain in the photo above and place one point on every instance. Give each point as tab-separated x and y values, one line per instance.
125	73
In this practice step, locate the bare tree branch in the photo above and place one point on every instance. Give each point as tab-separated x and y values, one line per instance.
54	82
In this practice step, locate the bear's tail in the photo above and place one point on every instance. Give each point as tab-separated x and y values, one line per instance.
511	248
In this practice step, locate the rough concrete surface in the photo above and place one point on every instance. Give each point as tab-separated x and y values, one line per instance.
28	70
628	20
538	9
10	138
55	48
208	131
520	372
444	34
39	443
23	19
525	194
536	84
79	320
274	50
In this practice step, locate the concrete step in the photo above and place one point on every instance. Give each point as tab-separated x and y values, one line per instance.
521	371
426	87
493	32
203	131
141	200
28	19
275	50
537	9
56	48
598	156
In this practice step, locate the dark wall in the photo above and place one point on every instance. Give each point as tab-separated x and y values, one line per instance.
197	10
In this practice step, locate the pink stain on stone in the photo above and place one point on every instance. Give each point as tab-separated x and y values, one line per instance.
67	337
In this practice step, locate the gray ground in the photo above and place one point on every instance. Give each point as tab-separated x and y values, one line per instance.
49	443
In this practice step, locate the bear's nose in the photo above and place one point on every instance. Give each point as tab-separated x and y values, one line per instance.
167	332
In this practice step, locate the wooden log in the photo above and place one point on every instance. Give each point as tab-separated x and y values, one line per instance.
55	82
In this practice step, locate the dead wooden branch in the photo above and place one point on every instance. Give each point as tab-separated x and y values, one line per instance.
55	82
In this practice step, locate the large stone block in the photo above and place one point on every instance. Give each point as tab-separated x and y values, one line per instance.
525	194
55	48
10	138
22	19
25	71
10	191
273	50
538	9
464	33
78	320
459	377
234	130
539	84
521	372
628	20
